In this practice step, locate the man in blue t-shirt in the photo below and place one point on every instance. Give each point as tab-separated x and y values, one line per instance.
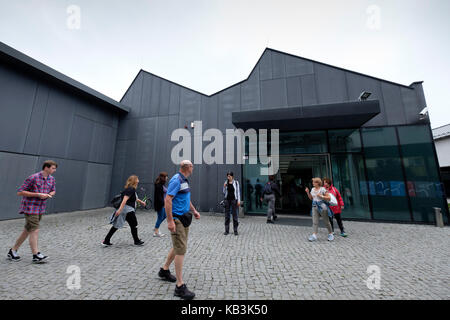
178	206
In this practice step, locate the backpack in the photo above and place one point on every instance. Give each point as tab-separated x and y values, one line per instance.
116	201
267	188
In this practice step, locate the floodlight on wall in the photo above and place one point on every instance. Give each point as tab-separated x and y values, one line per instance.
423	114
364	96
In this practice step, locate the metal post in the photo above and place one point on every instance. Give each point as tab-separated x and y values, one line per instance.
439	219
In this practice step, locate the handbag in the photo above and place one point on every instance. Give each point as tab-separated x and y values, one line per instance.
333	202
186	219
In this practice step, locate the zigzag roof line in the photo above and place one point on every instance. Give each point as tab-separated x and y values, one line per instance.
257	63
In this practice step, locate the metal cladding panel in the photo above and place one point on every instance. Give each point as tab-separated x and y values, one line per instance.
265	66
120	162
392	96
190	105
14	169
208	182
164	99
273	93
98	181
131	160
209	112
155	97
330	84
229	101
294	91
70	184
128	129
298	67
172	125
58	124
37	120
411	106
278	65
162	148
309	96
174	101
17	94
357	84
81	139
102	145
250	92
145	149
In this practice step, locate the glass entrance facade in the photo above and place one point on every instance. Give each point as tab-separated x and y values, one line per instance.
383	173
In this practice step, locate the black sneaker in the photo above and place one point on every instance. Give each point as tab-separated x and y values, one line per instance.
166	275
236	233
39	258
12	256
139	243
106	244
183	292
269	221
275	218
225	233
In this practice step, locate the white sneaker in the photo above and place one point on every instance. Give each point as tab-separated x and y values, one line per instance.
158	235
312	237
330	237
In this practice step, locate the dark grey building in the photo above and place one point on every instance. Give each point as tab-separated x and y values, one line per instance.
379	152
47	115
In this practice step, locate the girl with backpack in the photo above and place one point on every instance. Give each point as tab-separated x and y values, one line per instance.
126	212
337	210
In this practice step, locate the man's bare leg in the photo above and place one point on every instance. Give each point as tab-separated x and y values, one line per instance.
23	236
169	260
179	269
34	241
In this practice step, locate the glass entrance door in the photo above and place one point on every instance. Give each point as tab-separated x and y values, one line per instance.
294	175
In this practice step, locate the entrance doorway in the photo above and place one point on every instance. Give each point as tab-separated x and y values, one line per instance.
295	174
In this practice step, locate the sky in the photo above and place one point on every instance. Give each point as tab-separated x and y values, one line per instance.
208	45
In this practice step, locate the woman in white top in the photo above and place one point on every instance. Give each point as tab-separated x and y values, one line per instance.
319	195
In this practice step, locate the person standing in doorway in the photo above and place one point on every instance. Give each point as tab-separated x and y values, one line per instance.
249	191
269	190
35	191
319	195
160	194
232	193
178	206
337	210
126	212
258	194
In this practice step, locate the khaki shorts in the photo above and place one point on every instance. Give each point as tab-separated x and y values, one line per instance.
32	222
179	238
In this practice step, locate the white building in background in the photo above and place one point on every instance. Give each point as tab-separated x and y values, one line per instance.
441	136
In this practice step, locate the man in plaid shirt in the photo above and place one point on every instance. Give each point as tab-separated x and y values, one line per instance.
35	191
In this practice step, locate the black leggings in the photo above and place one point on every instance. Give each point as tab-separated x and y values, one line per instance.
339	221
132	221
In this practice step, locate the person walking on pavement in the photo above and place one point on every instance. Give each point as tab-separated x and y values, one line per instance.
269	190
35	191
232	193
126	212
178	207
319	195
160	194
337	210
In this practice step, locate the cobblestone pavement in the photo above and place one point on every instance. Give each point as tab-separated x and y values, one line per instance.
264	262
